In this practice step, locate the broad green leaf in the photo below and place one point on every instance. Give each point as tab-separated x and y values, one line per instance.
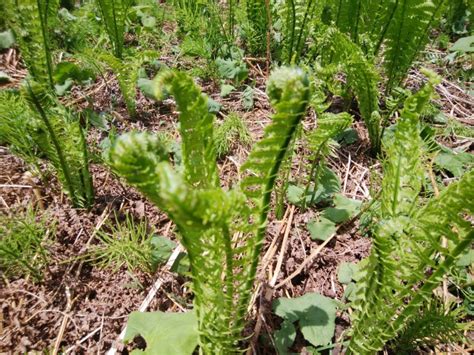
182	264
349	292
456	164
232	69
226	90
97	120
336	215
294	194
6	39
149	21
327	185
247	98
284	337
465	44
68	70
322	229
149	88
164	333
61	89
161	250
315	314
346	272
213	106
466	259
344	209
348	137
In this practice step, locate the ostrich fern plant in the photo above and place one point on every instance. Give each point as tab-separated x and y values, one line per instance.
397	30
338	50
408	260
297	18
31	21
222	231
114	14
59	137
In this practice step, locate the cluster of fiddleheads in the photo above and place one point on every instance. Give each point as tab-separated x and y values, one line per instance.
222	231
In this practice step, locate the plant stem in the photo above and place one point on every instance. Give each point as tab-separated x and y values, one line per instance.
57	145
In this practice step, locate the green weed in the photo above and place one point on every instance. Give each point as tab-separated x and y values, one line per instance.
232	132
123	243
24	241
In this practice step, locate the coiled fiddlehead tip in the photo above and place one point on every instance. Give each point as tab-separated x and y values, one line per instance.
288	84
135	156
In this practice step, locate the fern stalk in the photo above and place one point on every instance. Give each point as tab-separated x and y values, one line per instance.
52	134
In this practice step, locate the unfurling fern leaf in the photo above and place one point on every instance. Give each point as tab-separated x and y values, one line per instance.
257	19
297	16
114	14
31	21
406	35
362	78
126	72
407	239
223	268
62	140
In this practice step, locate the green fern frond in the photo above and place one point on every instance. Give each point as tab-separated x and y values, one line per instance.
297	17
408	288
362	78
61	138
196	127
403	167
223	268
436	324
408	240
114	14
289	93
328	126
126	71
406	35
257	20
31	21
16	128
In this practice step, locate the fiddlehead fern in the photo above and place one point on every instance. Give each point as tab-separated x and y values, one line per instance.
408	239
222	235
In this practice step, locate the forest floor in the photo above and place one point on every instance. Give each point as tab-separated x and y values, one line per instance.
81	308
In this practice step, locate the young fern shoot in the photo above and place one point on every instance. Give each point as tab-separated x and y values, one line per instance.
407	238
61	139
221	230
337	49
31	21
114	14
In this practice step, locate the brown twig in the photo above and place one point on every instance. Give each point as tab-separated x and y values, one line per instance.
62	329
